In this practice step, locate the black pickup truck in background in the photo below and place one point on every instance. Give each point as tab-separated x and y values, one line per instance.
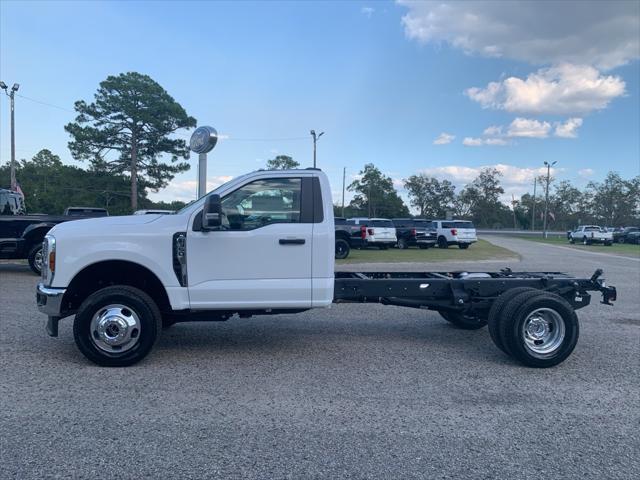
348	236
21	235
415	232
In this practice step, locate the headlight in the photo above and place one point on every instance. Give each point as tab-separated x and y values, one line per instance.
48	259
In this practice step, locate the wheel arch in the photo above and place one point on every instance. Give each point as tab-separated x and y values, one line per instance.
114	272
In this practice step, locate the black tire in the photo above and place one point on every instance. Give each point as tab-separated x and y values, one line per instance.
342	248
620	239
463	246
585	241
462	321
563	330
498	306
442	243
35	259
402	244
139	304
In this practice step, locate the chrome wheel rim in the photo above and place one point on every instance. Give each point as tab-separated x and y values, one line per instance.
543	332
340	249
37	259
115	328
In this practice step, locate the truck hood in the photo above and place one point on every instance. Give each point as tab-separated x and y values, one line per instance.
99	224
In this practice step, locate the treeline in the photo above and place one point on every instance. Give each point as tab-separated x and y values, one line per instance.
613	202
51	186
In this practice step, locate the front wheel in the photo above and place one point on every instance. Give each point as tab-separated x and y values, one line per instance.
402	244
585	241
442	243
35	259
342	249
117	326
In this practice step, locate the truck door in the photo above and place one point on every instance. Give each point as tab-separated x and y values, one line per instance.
261	256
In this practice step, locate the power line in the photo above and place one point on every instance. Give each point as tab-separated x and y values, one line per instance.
45	103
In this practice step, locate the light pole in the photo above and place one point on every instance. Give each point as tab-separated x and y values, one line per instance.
315	140
12	95
344	174
546	199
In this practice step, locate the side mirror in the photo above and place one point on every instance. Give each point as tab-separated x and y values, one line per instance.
212	213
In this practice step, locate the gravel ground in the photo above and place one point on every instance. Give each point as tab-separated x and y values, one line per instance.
356	391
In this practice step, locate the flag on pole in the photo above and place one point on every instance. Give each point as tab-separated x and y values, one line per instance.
18	189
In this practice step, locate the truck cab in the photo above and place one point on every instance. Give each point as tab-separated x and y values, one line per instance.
271	250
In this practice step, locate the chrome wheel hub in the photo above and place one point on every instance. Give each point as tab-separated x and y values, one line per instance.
115	329
37	259
543	332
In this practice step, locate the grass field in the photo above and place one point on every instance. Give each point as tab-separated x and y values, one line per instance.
482	250
617	248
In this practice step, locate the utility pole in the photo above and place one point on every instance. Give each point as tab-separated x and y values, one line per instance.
344	174
315	140
546	198
11	95
533	209
369	200
513	205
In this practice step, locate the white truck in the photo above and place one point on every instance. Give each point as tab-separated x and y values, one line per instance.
589	234
263	243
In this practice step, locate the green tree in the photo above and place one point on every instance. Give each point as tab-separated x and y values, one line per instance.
432	197
282	162
51	186
375	195
615	201
127	129
480	200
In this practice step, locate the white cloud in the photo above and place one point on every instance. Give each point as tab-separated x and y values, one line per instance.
444	138
493	131
530	128
586	172
568	129
185	190
562	89
599	33
367	11
479	142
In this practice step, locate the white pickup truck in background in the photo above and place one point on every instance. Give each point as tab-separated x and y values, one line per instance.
263	244
588	234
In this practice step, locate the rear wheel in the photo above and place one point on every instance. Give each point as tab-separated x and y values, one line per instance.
442	243
571	240
464	321
514	295
541	331
403	244
585	241
35	259
117	326
342	248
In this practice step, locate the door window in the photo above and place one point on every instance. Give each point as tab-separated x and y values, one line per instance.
261	203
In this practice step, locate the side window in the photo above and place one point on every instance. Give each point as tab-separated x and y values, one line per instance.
261	203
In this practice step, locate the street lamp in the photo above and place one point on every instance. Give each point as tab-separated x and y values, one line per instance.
315	139
11	95
546	198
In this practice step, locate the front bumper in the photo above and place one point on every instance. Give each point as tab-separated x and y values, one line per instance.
50	303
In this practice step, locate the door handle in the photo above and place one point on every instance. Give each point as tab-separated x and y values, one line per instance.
292	241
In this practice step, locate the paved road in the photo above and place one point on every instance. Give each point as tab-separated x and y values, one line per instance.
352	392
